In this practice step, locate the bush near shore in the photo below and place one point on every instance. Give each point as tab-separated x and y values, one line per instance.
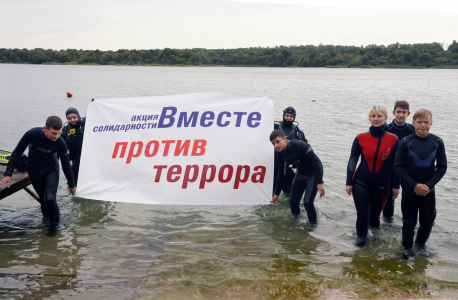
396	55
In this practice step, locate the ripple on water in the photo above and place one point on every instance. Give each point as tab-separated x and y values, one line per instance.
115	250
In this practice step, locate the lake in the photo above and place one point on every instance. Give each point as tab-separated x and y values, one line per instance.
123	251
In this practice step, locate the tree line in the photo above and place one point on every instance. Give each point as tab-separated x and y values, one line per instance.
407	55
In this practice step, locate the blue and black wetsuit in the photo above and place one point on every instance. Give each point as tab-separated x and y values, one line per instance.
371	181
43	168
419	160
309	173
401	131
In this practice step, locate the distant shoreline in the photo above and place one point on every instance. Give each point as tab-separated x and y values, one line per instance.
235	66
399	56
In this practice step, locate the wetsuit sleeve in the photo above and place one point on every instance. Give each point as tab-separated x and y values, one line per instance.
400	162
16	155
312	158
65	162
441	166
353	161
396	178
280	173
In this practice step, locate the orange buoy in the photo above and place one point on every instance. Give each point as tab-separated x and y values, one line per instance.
69	94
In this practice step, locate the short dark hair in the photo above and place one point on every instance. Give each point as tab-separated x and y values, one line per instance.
402	104
276	133
54	122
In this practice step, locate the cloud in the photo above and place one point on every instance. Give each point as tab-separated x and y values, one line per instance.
212	24
438	6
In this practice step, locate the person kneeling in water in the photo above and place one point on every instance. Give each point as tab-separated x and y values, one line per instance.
46	147
308	178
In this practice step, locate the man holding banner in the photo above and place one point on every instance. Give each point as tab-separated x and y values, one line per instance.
308	178
292	132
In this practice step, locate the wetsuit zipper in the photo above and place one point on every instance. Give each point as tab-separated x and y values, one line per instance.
376	154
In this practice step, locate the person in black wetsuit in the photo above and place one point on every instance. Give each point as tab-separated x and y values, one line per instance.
73	133
370	182
292	132
308	178
46	147
401	129
420	163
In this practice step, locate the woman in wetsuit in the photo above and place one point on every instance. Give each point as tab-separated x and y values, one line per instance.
370	183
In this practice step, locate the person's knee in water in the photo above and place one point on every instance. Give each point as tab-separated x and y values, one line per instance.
421	163
309	175
46	147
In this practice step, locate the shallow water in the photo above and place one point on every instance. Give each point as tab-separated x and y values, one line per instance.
123	251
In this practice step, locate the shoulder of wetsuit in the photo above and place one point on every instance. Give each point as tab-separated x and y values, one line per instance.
295	143
61	140
35	130
299	133
391	127
411	127
436	138
83	123
391	135
65	129
407	139
363	134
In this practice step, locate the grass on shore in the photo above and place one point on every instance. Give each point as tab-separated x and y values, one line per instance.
74	63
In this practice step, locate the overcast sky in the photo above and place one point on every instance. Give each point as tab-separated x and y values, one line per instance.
212	24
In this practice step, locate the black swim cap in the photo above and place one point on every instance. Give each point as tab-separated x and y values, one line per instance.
72	110
289	110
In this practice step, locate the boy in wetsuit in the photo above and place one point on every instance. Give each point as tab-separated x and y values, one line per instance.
420	163
292	132
308	178
46	147
401	129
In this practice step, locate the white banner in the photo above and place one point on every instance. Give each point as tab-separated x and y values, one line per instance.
193	149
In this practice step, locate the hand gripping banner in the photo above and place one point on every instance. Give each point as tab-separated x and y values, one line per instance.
193	149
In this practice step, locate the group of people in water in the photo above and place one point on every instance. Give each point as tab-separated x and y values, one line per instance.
391	155
47	145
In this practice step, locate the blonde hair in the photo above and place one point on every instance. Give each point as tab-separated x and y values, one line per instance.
379	109
421	113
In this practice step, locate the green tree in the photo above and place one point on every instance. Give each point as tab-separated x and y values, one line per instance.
425	59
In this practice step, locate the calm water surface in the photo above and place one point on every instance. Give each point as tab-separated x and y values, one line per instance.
122	251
